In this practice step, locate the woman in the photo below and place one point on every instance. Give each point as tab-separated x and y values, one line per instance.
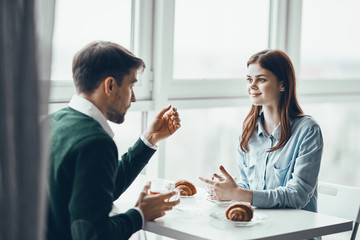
280	148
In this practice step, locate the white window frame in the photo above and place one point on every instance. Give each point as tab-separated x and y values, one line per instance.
285	31
192	92
284	34
152	39
141	42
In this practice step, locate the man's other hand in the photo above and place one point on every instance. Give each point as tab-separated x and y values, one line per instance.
154	206
166	122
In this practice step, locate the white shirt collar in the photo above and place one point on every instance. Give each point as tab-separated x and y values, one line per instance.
86	107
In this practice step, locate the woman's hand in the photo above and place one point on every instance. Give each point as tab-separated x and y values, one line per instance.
227	189
210	188
222	186
219	178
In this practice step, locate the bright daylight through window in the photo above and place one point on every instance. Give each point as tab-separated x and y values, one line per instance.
330	40
108	20
214	39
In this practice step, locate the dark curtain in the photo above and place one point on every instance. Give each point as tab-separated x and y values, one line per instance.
25	59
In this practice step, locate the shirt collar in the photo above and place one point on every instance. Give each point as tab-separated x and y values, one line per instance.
277	132
261	130
86	107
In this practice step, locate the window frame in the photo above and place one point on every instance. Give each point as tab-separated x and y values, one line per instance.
182	91
61	91
152	39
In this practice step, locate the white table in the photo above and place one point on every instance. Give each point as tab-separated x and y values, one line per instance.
193	221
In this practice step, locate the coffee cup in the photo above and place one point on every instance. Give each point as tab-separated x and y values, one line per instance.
164	186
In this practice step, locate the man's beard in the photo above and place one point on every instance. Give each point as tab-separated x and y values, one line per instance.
115	116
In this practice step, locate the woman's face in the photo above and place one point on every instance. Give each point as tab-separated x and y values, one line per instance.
263	87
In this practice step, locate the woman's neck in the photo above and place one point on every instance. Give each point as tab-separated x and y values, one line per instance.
271	119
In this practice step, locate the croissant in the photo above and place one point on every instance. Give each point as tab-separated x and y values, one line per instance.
239	212
185	187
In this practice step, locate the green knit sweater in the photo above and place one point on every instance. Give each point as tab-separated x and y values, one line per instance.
86	177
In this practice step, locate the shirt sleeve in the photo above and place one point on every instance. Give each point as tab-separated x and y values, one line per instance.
301	187
147	143
242	180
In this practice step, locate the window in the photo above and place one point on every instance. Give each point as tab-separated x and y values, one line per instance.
209	137
341	133
196	54
208	44
206	139
214	39
127	133
82	21
330	40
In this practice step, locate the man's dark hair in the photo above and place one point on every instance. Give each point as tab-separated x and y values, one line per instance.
99	60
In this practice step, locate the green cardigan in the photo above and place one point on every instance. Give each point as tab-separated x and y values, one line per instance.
86	177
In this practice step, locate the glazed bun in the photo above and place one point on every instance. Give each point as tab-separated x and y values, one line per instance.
185	188
239	212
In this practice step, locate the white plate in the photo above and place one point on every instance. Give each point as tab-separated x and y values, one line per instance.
188	197
220	203
187	207
258	218
191	206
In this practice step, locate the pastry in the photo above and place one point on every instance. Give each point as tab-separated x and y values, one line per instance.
185	188
239	212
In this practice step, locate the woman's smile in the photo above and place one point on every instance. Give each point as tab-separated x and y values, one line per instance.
254	94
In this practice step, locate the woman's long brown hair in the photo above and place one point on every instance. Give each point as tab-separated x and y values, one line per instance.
280	65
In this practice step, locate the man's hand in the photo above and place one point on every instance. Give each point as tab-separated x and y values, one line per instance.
164	125
154	206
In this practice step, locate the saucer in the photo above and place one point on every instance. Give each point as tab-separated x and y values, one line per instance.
220	203
257	218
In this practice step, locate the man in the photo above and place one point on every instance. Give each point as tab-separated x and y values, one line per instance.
85	174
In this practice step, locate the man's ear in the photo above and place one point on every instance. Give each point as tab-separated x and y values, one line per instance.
109	85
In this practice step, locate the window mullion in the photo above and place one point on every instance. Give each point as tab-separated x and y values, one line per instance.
141	43
285	28
294	32
163	51
277	24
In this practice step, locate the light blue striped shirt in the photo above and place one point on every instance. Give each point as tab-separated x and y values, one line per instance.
287	177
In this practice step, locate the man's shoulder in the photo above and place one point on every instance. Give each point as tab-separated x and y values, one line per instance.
72	124
69	116
68	113
72	131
